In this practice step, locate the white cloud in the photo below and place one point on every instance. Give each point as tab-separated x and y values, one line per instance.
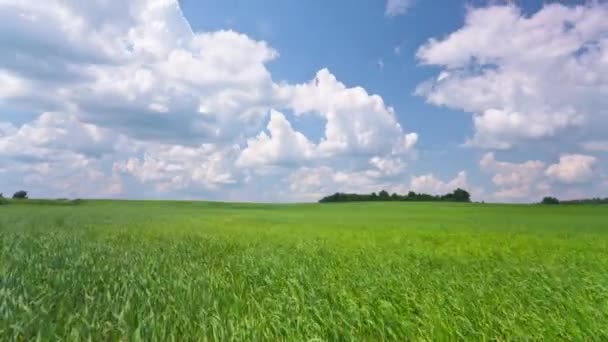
130	97
572	168
136	67
175	167
10	86
388	166
397	7
515	180
58	155
429	183
533	179
356	122
312	183
524	77
52	132
283	145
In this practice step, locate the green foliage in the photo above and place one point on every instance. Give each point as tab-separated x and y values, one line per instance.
550	200
458	195
595	200
20	195
48	202
128	270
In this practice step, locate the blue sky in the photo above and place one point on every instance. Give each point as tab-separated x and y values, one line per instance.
290	100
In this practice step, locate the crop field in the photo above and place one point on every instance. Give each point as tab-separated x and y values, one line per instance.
181	271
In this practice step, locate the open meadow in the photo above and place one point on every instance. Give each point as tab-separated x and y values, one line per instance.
109	270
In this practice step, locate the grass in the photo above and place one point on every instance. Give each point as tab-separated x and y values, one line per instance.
104	270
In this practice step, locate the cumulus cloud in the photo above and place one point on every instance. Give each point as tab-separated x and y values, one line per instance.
572	168
356	122
56	154
127	92
524	77
429	183
515	180
175	167
312	183
282	145
51	131
388	166
135	67
534	178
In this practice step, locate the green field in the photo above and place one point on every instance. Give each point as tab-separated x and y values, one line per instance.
361	271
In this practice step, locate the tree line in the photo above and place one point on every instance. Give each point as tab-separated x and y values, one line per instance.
458	195
595	200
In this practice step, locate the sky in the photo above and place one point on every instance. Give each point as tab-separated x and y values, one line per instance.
289	101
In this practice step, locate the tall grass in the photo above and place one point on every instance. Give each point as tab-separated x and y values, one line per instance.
393	271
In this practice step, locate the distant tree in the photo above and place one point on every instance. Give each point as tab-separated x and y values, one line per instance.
2	199
550	200
20	195
460	195
383	195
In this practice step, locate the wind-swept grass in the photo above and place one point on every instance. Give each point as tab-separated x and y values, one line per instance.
363	271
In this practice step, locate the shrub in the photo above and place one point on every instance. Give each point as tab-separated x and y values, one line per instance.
550	200
20	195
461	195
